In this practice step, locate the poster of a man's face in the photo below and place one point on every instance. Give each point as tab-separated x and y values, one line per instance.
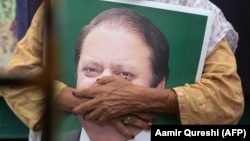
109	52
121	42
129	47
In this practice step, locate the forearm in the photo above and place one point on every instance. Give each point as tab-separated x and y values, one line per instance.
65	100
153	100
217	97
27	102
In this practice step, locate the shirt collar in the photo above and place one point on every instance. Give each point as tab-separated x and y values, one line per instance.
142	136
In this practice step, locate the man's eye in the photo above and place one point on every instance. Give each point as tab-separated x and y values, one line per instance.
91	69
125	74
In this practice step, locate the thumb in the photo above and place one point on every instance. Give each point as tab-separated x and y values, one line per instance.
84	93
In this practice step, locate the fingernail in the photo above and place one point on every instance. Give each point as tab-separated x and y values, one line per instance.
149	127
133	136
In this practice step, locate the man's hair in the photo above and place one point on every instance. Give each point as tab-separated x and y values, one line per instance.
131	21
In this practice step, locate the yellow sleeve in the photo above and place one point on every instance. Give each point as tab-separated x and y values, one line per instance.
28	102
217	98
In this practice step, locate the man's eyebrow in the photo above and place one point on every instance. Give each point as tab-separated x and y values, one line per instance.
125	66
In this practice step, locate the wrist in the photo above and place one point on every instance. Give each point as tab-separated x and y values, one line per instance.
152	99
65	100
171	103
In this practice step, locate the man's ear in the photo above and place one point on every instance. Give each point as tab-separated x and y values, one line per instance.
162	84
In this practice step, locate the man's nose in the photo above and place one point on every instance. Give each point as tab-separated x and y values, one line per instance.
106	73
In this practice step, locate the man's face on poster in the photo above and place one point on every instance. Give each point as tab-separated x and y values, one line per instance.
108	51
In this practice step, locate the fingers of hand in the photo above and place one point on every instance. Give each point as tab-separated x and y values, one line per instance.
104	80
137	122
87	93
122	128
92	113
84	108
145	116
109	79
98	116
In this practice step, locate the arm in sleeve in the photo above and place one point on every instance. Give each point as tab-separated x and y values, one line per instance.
217	98
28	102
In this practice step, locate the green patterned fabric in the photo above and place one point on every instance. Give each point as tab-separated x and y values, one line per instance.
7	11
